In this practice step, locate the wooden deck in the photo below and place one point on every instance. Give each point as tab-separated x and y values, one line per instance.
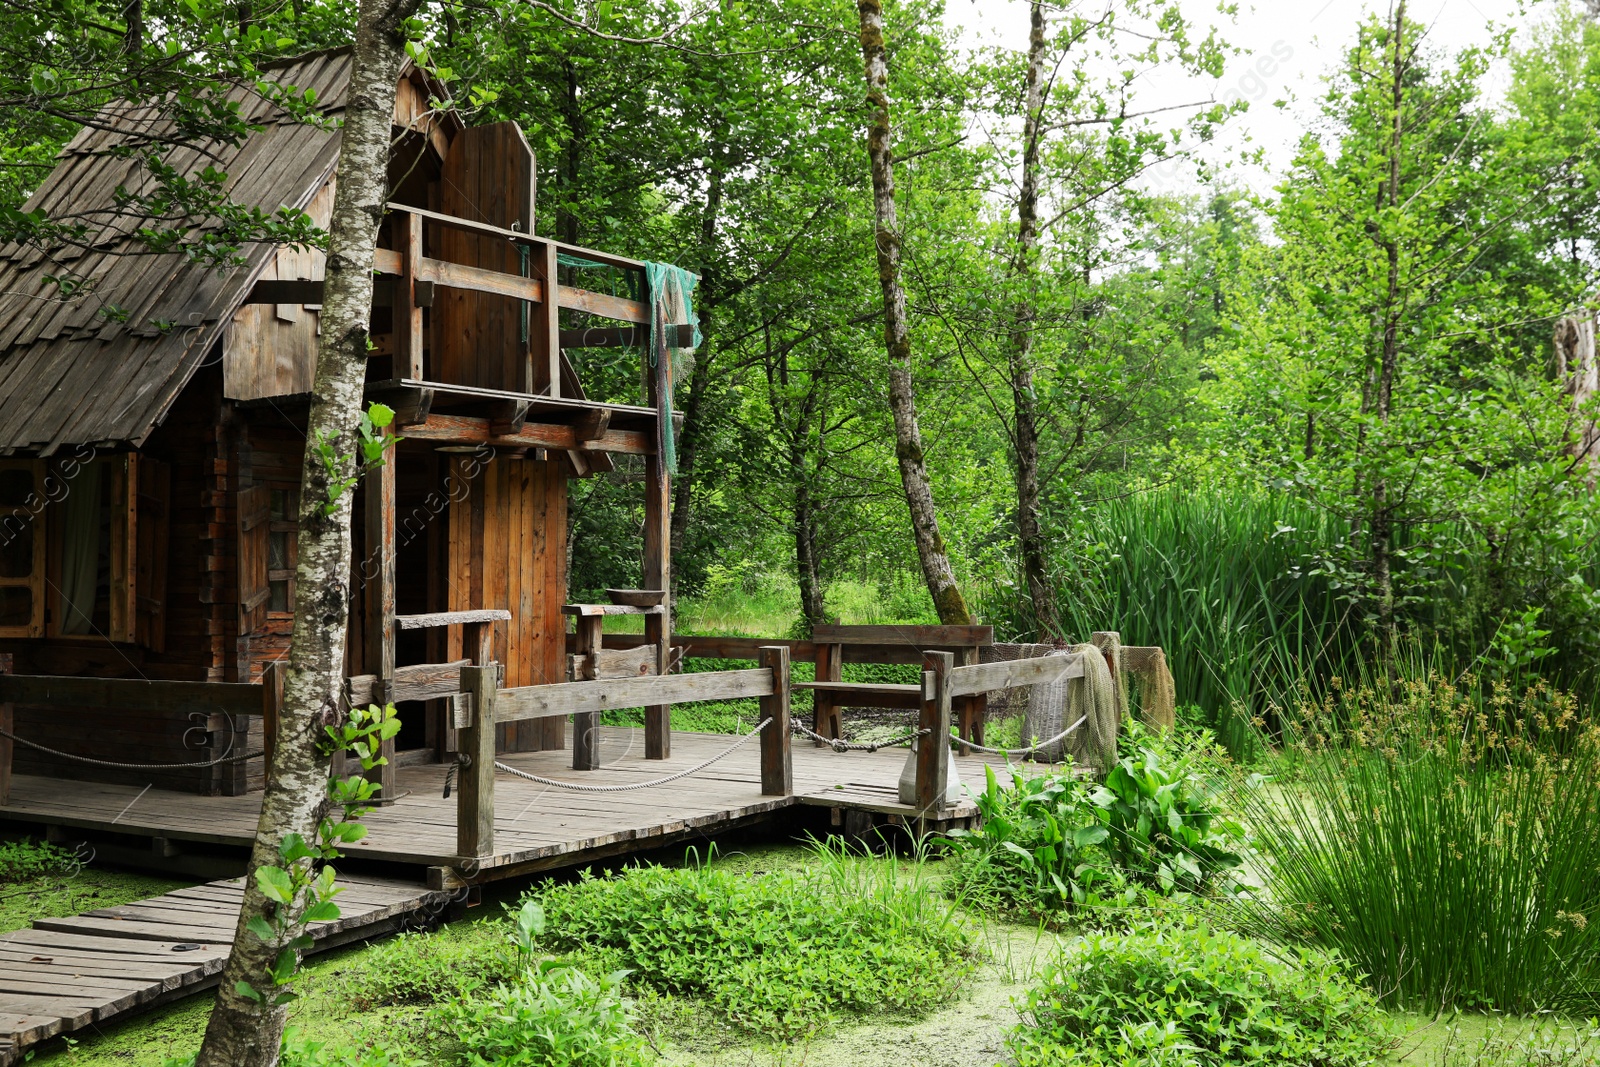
69	973
536	826
73	972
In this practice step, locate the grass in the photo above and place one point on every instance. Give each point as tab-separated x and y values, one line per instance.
1444	841
778	953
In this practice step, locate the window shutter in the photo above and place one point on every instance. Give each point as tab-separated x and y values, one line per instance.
255	508
151	516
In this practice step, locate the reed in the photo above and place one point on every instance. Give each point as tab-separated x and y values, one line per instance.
1443	839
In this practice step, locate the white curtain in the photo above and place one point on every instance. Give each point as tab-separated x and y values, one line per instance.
80	549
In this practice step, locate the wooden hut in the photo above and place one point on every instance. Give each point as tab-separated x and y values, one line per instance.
152	423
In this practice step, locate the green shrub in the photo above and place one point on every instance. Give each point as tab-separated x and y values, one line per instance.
554	1016
1444	842
1185	995
1049	841
1162	812
446	964
21	861
777	953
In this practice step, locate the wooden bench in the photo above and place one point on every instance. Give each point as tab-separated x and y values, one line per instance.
891	644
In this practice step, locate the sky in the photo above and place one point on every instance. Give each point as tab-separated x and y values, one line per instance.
1285	50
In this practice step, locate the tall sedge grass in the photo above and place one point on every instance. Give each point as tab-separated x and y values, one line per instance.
1445	840
1224	581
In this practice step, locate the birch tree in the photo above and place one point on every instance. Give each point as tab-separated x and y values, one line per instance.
246	1025
931	553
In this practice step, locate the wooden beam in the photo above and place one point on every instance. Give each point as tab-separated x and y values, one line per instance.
573	698
777	766
593	425
377	574
544	329
452	618
933	748
273	674
825	719
507	416
587	610
586	725
8	723
463	430
916	636
408	340
419	681
680	336
657	574
611	307
131	694
1013	674
475	798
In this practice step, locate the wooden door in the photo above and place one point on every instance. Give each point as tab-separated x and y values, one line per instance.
508	549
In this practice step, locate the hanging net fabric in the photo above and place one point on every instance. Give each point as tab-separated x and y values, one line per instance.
671	292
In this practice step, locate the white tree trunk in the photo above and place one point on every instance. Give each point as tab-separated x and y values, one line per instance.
241	1031
1578	370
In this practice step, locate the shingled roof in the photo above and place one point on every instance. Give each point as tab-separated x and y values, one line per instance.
71	375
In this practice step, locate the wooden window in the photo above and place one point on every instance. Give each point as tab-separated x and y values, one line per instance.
254	525
282	549
152	513
22	548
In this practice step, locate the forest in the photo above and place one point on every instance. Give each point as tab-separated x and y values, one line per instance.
1035	325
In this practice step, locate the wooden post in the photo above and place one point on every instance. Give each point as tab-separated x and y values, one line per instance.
475	798
825	718
8	724
933	748
586	725
972	707
777	767
378	574
407	312
658	575
544	335
272	675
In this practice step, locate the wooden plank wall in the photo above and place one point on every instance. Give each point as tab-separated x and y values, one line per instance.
488	177
203	452
508	549
271	349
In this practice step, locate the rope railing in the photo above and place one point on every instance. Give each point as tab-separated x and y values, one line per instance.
1036	746
841	745
580	787
224	758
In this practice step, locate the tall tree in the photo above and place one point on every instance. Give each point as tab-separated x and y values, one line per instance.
246	1025
931	552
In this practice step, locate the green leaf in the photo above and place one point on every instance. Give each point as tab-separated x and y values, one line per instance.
275	884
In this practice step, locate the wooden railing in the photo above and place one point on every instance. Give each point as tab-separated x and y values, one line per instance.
484	705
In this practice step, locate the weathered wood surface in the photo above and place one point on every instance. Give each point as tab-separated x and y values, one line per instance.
834	695
533	824
452	618
72	972
131	694
611	609
913	636
578	698
422	681
989	677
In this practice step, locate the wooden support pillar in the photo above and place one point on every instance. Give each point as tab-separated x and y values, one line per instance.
933	748
658	575
377	573
971	708
8	724
825	718
272	676
777	767
475	798
407	309
586	725
544	325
